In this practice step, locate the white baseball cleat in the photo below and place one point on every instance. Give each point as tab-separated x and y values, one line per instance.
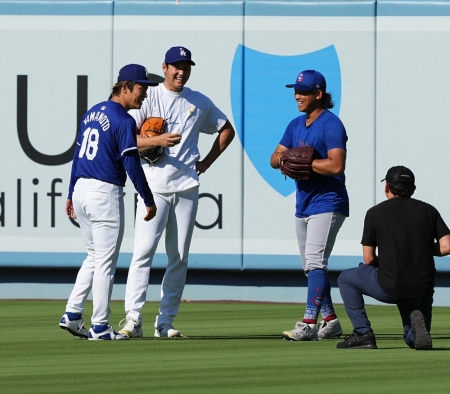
75	327
130	327
329	329
104	332
166	330
301	332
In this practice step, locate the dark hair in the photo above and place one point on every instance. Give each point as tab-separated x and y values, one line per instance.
402	191
327	101
118	87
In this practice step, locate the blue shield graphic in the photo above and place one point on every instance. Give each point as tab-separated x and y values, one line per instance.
262	106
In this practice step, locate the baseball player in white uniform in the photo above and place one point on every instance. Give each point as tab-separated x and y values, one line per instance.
106	151
174	180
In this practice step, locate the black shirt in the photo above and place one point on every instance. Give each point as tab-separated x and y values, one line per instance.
404	230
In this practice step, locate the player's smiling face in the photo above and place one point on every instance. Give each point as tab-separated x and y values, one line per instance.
136	96
307	100
176	75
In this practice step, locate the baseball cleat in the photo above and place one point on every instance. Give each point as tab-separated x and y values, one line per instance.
75	327
329	329
104	332
131	328
301	332
422	338
166	330
359	341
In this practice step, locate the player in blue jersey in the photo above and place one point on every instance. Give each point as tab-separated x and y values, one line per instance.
321	202
106	151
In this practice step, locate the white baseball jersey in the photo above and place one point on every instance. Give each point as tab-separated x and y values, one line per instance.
189	113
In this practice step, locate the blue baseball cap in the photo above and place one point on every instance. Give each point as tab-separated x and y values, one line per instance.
178	54
309	80
136	73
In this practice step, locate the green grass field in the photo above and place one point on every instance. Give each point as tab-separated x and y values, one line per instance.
232	348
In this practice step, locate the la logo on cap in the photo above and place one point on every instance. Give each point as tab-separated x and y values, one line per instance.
182	52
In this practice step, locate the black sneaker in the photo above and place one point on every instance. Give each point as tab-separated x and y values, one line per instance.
422	338
358	341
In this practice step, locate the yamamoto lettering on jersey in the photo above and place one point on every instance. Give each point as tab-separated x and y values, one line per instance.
99	117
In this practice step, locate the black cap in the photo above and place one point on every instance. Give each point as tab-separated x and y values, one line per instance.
399	176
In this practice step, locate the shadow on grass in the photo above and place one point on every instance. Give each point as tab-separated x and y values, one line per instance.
380	337
212	337
393	337
435	349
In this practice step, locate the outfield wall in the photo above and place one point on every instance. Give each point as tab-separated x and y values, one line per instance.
386	66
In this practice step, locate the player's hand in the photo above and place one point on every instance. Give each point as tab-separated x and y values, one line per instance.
169	139
70	212
201	167
151	213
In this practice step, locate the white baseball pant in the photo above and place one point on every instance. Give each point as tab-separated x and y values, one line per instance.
176	214
100	214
